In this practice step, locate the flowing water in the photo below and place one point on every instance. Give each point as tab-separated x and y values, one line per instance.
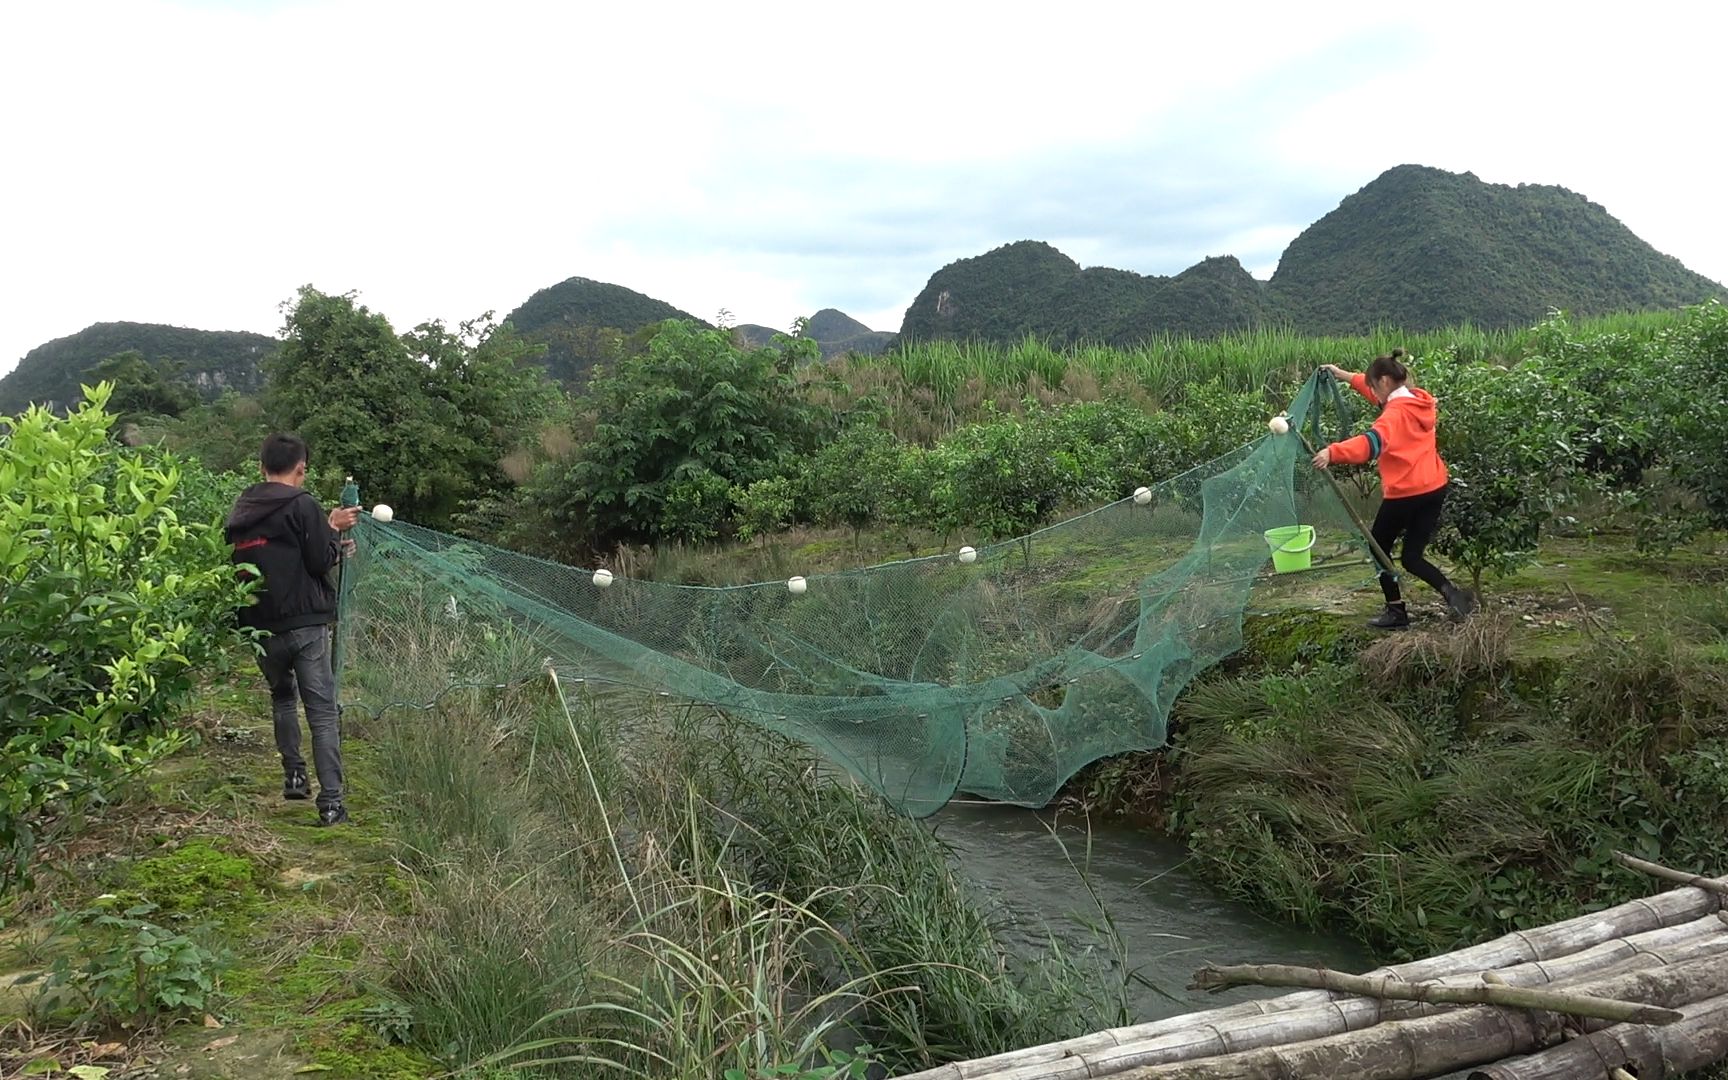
1169	921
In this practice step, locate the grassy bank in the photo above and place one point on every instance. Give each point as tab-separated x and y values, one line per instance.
1435	788
548	878
203	927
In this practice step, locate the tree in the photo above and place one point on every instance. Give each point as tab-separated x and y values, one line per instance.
691	408
1506	437
421	421
143	388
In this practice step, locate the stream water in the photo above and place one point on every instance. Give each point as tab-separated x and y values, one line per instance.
1170	922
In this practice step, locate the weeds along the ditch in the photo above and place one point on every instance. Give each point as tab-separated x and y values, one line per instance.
1426	796
605	881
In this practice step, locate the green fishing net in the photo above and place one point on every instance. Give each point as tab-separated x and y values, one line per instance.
1001	676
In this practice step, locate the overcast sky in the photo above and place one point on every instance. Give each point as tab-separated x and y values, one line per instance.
194	162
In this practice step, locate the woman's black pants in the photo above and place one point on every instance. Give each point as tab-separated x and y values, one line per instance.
1416	519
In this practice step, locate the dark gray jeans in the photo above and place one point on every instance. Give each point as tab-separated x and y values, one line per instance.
296	664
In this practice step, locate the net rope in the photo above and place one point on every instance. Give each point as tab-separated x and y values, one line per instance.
1000	677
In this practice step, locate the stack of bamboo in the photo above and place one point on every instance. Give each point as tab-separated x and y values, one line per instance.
1640	990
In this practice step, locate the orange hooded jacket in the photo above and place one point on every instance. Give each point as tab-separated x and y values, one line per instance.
1401	442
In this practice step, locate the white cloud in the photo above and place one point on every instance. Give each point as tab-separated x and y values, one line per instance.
193	163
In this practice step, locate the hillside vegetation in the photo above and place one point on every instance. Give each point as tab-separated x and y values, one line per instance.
210	361
834	332
1418	248
582	322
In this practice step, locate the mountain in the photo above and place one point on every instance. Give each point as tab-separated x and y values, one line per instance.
1418	248
1422	248
579	320
1031	288
211	360
835	331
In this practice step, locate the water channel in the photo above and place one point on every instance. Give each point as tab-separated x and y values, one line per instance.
1170	921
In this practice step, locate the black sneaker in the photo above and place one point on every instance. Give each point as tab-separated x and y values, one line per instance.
1461	601
333	815
1395	617
295	786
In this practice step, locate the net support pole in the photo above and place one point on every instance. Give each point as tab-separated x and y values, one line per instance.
350	497
1374	547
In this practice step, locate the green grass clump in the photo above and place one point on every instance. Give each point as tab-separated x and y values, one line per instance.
1425	797
630	887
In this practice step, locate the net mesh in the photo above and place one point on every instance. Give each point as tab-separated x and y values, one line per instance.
999	677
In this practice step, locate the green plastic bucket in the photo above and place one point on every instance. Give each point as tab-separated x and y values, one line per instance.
1292	547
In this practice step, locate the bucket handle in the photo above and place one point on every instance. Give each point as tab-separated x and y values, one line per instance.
1313	536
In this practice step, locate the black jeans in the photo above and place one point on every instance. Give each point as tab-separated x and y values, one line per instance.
1416	519
296	665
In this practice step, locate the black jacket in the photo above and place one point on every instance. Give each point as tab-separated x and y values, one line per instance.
284	533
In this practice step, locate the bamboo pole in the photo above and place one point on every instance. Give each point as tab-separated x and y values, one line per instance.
1445	1042
1720	888
1698	1041
1517	997
1545	943
1374	547
1339	1017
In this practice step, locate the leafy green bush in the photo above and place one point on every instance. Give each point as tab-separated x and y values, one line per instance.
693	405
766	506
1506	435
110	600
850	480
132	971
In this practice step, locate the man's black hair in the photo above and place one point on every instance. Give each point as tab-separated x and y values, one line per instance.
281	453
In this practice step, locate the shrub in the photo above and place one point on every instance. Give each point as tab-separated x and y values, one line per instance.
134	972
110	600
1506	437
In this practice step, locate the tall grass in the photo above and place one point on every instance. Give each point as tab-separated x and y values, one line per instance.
1425	798
956	377
605	883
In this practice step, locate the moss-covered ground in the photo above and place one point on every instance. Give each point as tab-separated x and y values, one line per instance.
297	918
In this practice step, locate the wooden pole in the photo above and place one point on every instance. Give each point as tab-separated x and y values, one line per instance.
1698	1041
1441	1043
1379	553
1720	888
1518	997
1665	911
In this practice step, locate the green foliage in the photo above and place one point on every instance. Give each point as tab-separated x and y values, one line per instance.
421	421
1507	440
675	429
584	323
1687	386
110	600
211	361
129	970
144	388
850	479
836	1065
766	506
1409	794
224	435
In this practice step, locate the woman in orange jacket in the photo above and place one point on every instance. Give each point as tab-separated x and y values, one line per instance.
1413	479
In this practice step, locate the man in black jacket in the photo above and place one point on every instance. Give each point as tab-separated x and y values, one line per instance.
280	528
